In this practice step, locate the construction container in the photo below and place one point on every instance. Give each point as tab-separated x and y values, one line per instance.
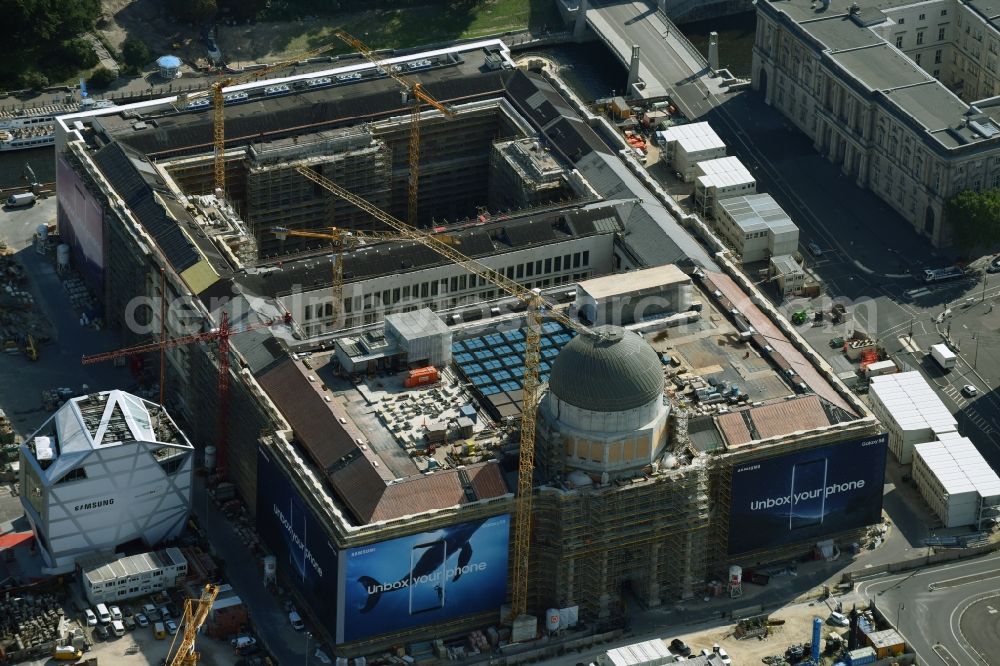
956	481
865	655
910	410
886	367
887	643
647	653
421	377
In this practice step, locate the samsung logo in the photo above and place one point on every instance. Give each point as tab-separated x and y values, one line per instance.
363	551
871	442
748	468
93	505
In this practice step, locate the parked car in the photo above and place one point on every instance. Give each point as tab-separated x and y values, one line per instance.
116	613
91	618
680	647
970	391
296	621
171	627
815	250
142	620
101	632
165	612
994	265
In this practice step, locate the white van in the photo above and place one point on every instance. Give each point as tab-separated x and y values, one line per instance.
102	614
118	628
20	200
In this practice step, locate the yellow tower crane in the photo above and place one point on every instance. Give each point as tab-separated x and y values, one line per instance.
194	618
419	97
219	105
532	359
341	240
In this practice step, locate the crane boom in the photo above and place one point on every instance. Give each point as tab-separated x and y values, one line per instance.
443	247
173	342
192	621
530	382
419	96
219	104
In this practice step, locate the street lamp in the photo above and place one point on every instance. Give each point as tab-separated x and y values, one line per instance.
308	636
899	608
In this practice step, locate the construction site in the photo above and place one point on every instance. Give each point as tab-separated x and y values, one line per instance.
510	396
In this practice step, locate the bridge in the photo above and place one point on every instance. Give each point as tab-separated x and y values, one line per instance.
668	64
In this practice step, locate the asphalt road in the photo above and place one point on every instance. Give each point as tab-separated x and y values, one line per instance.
945	613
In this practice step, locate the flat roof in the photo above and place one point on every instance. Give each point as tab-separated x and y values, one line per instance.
911	402
959	467
633	281
849	43
755	212
693	137
723	172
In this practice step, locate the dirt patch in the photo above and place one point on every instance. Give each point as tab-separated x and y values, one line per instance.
149	22
797	628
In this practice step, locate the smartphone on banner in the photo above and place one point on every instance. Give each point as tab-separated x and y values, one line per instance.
427	576
809	481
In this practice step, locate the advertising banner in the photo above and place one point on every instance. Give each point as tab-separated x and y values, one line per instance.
305	556
425	578
807	495
81	222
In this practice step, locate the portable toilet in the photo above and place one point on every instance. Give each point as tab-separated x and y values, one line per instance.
170	66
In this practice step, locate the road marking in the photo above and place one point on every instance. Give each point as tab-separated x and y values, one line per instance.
945	655
964	580
917	293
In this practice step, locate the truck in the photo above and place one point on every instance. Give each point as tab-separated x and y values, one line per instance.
22	200
943	356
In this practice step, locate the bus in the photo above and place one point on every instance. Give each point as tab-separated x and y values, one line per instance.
942	274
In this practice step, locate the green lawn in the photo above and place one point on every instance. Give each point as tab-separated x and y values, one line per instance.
413	26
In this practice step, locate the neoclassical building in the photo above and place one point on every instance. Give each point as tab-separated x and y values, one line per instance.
903	95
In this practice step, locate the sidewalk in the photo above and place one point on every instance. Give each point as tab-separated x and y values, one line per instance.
243	571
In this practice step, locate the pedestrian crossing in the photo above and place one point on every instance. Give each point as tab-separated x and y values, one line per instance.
955	394
973	416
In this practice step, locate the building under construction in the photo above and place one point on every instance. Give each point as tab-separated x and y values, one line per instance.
697	437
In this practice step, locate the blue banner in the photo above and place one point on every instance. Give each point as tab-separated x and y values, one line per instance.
425	578
807	495
305	556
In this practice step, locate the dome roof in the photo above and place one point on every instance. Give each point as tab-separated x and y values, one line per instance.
612	371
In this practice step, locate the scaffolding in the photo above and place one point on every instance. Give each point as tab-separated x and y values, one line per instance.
523	174
642	539
277	195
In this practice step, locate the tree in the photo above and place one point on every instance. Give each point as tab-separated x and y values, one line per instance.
33	79
244	9
975	219
102	77
135	53
77	54
192	11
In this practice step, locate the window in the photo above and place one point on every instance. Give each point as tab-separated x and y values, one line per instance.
434	288
944	12
899	41
308	313
558	264
902	21
461	281
586	257
454	284
548	265
531	269
423	290
937	73
941	34
917	59
920	37
937	57
576	260
923	17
